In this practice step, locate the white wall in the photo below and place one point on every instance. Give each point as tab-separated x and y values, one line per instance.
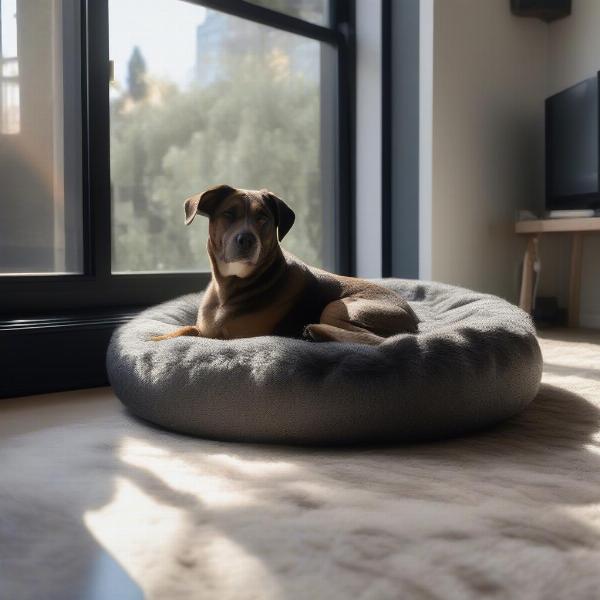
573	55
489	82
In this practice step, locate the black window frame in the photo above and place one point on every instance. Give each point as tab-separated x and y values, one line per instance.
92	303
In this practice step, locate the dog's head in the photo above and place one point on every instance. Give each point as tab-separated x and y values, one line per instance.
245	225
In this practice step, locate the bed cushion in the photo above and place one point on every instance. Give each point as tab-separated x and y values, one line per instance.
474	362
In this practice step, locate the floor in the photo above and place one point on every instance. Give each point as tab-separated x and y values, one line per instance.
95	505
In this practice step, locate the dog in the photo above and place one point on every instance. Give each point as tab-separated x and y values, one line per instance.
259	289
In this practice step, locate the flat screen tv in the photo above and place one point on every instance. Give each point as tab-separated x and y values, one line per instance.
572	152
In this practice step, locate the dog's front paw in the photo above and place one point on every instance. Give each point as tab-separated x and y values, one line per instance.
308	334
313	333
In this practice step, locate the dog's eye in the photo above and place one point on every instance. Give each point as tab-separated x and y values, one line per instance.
228	214
262	217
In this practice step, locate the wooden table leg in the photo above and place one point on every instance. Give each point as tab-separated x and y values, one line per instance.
575	279
527	278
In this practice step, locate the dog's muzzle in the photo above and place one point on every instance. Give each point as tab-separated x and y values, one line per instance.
245	241
244	246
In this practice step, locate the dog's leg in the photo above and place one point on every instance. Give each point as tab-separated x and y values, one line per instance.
362	320
321	332
188	330
379	316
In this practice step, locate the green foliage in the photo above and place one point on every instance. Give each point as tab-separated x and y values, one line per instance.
258	127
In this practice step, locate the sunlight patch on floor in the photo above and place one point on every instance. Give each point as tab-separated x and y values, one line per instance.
137	530
254	468
236	569
153	526
209	480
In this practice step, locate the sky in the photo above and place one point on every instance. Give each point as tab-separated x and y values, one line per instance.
165	31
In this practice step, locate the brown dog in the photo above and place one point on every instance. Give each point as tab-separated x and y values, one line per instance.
258	289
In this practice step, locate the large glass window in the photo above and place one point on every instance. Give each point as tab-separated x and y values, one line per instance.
40	138
112	112
200	98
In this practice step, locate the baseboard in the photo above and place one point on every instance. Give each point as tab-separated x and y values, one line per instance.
51	354
590	319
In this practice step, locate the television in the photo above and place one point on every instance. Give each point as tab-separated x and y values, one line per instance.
572	147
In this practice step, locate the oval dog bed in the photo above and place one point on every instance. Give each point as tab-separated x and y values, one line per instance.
474	362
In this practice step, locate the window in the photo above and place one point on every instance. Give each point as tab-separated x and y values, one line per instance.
40	168
201	97
96	160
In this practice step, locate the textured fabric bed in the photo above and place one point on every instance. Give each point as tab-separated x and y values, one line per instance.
474	362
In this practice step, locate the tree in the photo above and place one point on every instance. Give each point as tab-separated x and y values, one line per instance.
253	128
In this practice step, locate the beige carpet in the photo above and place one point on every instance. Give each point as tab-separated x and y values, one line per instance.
96	505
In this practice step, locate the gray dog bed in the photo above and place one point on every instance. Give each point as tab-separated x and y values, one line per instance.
474	362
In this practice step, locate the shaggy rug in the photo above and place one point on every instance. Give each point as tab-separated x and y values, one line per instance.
94	504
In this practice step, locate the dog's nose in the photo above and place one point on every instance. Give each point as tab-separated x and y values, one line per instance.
244	241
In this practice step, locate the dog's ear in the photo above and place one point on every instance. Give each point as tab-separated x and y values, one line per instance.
284	215
205	202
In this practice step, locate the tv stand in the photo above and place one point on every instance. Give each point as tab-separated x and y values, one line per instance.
534	230
571	214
